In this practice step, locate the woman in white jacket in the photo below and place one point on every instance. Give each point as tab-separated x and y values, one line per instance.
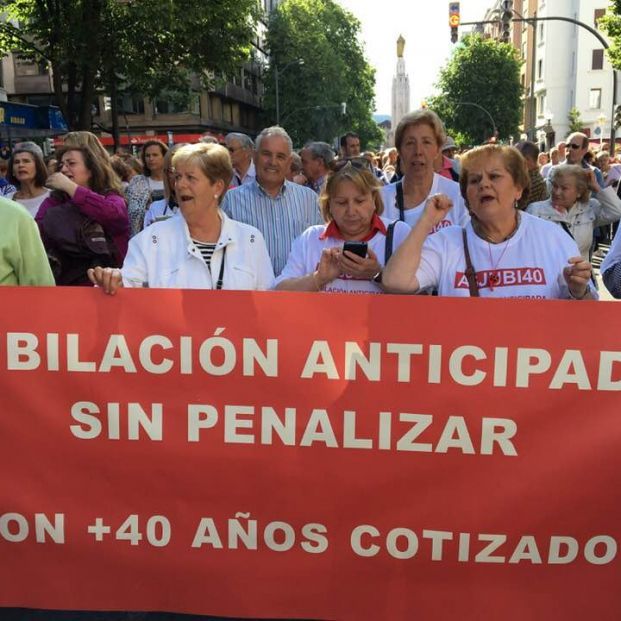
200	247
571	206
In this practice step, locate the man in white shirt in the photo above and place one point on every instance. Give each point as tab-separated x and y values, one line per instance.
557	155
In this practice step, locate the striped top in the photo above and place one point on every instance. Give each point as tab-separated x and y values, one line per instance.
280	219
206	250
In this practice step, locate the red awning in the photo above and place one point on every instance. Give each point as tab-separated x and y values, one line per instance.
139	139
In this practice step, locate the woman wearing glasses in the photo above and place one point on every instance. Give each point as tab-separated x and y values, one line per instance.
201	248
502	252
348	253
419	139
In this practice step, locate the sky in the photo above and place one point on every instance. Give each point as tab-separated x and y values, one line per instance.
424	25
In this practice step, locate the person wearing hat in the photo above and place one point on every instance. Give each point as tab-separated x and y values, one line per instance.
447	166
28	172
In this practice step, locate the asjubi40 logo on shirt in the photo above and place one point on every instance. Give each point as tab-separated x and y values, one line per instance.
511	277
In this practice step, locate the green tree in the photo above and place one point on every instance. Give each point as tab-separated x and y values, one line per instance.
333	69
611	24
150	46
481	80
575	121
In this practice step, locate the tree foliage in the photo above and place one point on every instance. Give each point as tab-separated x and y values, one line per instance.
333	70
484	73
575	121
148	45
611	24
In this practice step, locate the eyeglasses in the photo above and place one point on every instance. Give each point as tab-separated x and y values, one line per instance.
571	145
359	163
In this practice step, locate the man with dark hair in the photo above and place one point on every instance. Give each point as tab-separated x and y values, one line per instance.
538	190
350	145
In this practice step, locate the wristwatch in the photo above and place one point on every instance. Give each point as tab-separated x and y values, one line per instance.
378	277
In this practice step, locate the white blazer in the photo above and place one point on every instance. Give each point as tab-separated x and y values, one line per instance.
164	256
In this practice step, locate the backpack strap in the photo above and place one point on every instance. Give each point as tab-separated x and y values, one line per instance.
471	275
400	207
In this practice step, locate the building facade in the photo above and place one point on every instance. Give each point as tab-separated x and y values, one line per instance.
564	68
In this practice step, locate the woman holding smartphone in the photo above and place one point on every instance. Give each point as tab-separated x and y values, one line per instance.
348	253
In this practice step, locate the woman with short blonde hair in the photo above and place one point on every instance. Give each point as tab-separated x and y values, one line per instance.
199	248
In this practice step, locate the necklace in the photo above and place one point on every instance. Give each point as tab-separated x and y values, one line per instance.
494	277
478	229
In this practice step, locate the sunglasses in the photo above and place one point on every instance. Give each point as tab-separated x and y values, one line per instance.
359	163
571	145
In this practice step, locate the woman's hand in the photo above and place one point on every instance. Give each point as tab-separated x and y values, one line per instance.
436	209
357	267
592	181
577	277
58	181
108	278
328	267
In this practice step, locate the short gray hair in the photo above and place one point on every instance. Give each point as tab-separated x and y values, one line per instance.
207	139
322	151
578	174
424	116
244	140
275	130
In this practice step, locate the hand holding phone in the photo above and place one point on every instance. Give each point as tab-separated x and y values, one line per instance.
359	248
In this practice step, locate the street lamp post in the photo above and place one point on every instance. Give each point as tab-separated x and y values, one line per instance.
601	121
277	72
549	130
597	35
489	116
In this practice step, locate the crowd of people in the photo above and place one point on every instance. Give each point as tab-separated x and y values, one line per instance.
417	218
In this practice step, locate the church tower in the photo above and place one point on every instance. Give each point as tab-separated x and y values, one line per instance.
400	88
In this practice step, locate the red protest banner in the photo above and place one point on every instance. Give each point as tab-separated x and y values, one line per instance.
309	456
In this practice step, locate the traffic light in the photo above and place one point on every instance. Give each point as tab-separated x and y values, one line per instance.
618	117
505	20
454	20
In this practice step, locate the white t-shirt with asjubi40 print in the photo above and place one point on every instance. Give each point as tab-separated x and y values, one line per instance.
528	265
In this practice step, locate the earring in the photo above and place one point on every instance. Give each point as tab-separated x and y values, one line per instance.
216	196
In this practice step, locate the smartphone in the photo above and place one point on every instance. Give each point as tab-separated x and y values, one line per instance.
356	247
